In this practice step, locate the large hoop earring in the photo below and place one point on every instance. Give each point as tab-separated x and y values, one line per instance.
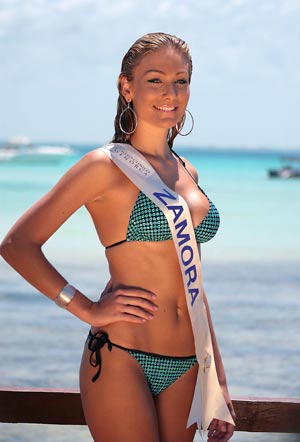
134	116
179	126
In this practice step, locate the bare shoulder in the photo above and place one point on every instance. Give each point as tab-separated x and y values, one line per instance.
95	159
87	180
192	169
94	168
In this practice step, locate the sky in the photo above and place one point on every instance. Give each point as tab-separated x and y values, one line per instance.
59	63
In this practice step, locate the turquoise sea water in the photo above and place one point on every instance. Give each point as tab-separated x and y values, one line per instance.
251	276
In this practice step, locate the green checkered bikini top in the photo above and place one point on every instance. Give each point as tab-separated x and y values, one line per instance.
148	223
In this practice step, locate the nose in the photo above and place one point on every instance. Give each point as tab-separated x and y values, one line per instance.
170	90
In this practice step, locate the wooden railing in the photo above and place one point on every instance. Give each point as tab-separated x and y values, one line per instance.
58	406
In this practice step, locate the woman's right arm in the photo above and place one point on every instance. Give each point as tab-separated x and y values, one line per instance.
86	181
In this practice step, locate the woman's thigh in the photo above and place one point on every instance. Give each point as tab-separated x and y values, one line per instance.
173	407
119	406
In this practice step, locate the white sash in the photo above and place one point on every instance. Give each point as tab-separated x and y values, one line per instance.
208	401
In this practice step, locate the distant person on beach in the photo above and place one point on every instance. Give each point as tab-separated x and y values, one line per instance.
151	369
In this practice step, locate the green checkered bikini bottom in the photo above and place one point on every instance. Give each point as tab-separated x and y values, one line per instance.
160	371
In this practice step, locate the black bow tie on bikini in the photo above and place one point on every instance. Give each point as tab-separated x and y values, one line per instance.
95	343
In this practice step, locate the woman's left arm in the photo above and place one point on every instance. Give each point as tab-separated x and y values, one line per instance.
218	427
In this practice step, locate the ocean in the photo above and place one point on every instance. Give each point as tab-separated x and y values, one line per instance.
251	276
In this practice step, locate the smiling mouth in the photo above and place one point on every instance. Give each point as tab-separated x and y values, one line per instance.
165	108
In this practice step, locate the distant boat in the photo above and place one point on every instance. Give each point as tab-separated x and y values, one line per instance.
21	149
287	171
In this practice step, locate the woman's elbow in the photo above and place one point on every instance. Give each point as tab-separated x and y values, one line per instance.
5	247
12	247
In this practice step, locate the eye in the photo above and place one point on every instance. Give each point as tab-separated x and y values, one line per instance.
154	80
181	81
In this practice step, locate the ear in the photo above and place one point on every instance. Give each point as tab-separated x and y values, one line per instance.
125	88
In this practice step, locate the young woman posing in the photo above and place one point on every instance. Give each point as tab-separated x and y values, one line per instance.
139	369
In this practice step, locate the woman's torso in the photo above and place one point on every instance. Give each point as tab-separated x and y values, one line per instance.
150	265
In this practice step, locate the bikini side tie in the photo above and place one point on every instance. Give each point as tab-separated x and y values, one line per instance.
95	343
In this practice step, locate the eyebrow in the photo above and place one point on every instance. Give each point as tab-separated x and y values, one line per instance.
162	72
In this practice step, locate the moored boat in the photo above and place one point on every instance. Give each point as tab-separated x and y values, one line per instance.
288	170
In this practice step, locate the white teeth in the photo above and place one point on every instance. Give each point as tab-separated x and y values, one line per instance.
165	108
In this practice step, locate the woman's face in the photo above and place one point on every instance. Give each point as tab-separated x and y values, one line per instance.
160	88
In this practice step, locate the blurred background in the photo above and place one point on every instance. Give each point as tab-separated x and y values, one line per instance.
59	66
60	61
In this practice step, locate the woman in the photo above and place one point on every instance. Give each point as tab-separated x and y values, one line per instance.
139	369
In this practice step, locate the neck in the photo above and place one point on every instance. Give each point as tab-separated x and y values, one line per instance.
152	144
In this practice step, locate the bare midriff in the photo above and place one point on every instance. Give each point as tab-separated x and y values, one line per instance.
152	266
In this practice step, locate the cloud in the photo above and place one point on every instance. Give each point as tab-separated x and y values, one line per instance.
289	7
239	37
64	45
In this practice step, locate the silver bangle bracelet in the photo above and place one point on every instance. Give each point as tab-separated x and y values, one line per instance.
65	296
